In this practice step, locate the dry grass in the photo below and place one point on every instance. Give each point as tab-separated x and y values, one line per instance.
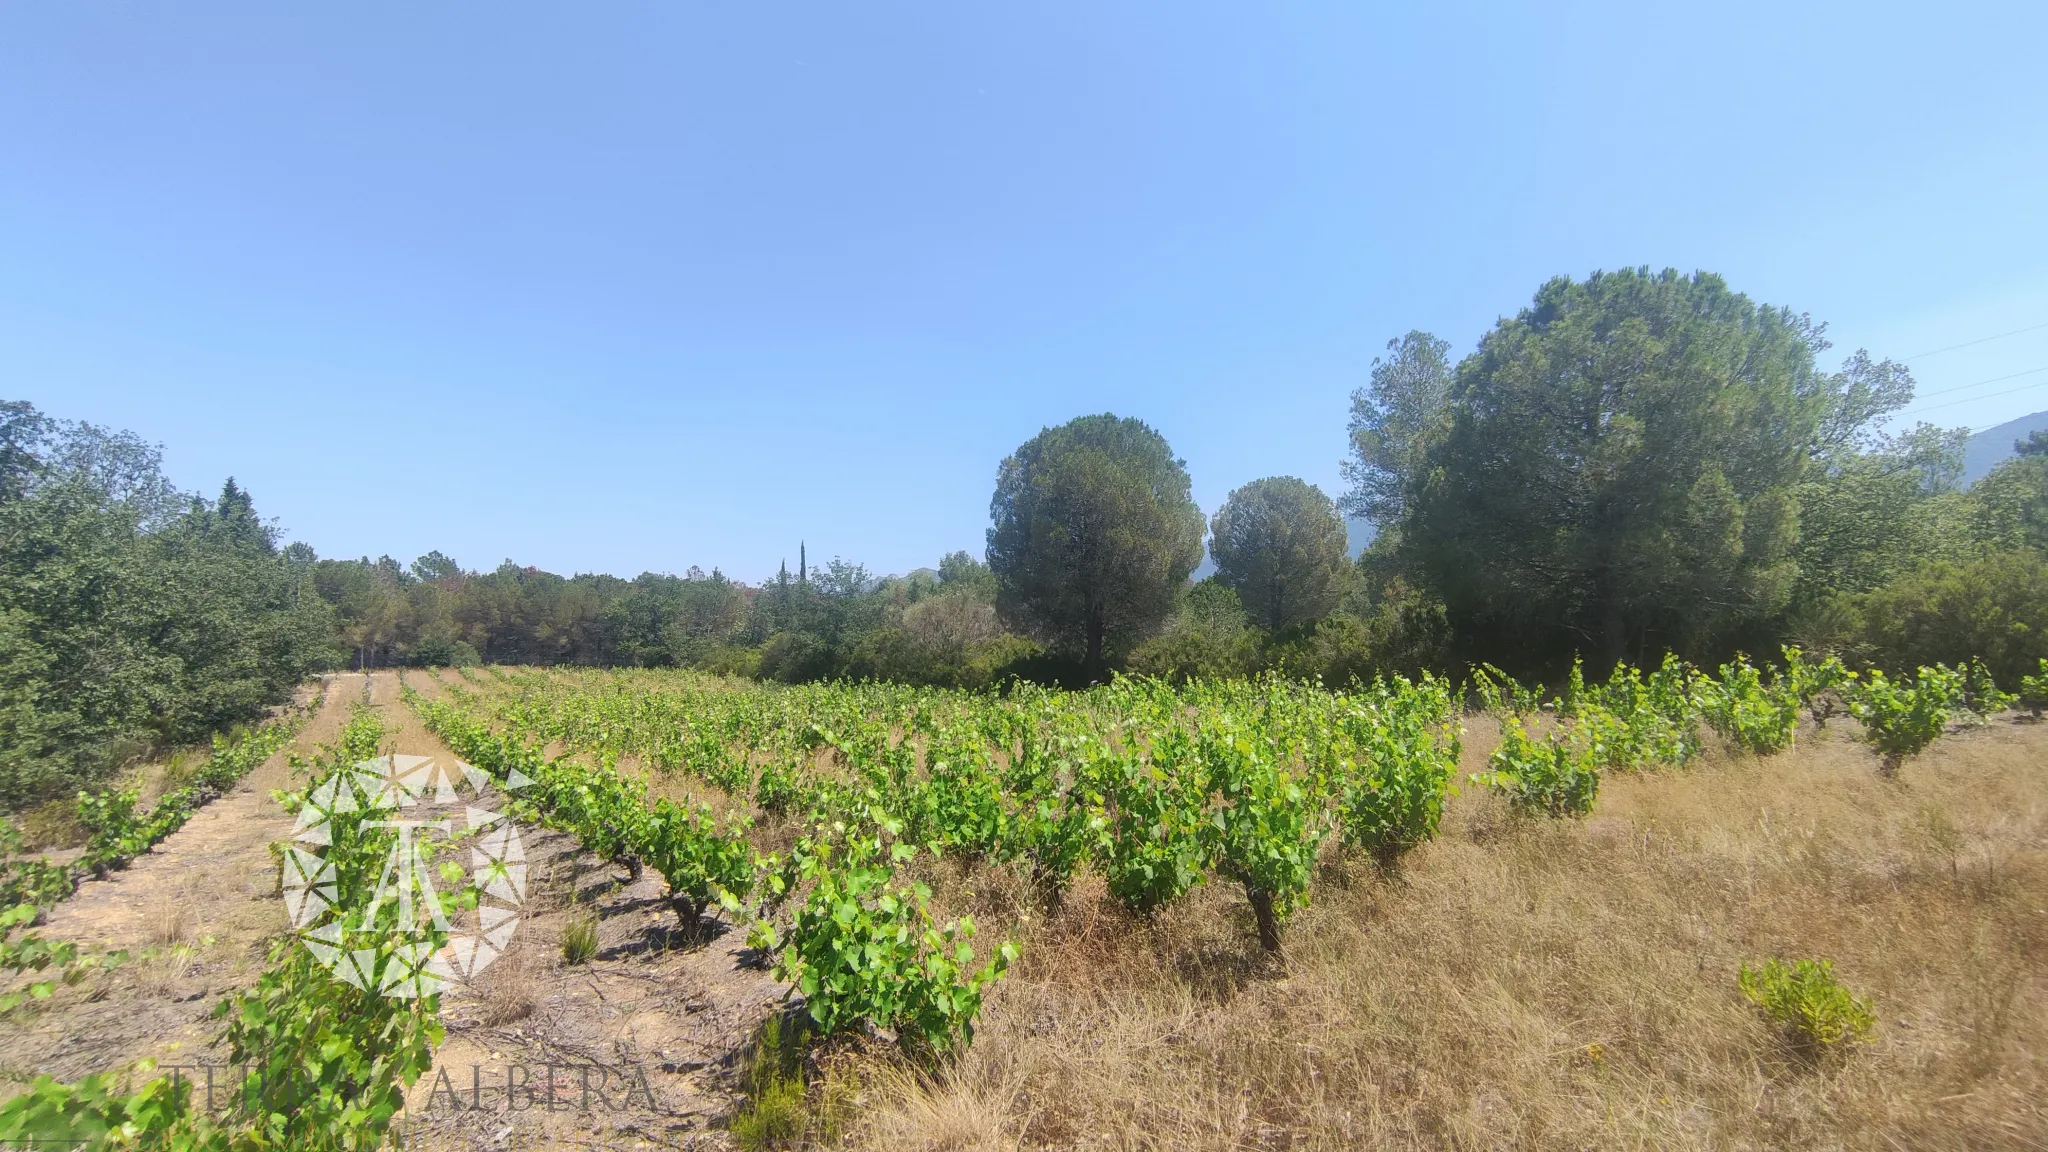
507	993
171	925
1557	985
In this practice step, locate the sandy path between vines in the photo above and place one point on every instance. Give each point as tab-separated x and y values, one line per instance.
199	912
195	915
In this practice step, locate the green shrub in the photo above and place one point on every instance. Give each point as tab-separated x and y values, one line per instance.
1757	710
1209	638
1902	717
1804	998
1558	776
1404	746
1994	608
865	948
775	1114
2033	693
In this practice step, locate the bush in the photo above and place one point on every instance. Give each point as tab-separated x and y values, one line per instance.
1756	710
1209	638
1402	633
1805	999
1555	777
2033	693
865	948
1994	608
1902	717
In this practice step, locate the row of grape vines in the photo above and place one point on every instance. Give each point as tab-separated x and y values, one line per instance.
117	833
321	1063
1155	789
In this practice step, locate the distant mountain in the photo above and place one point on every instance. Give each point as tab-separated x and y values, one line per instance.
1983	451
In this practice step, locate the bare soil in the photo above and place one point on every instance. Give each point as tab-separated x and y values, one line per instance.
658	1015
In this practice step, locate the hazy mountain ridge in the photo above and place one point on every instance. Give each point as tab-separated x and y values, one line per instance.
1983	451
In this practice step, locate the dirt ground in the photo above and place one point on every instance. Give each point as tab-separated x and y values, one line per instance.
652	1022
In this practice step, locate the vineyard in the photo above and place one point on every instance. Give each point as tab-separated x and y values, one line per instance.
890	853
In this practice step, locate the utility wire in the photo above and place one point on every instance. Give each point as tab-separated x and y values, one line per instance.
1992	380
1969	399
1974	343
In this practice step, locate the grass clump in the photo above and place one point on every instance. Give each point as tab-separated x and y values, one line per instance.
579	940
777	1112
1803	997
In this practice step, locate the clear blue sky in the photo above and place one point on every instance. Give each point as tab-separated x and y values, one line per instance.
640	286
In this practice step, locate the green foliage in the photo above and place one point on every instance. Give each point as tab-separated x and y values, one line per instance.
117	832
1901	717
1805	999
1981	694
1270	821
22	951
1869	513
863	948
1394	421
1094	533
579	940
1152	852
1556	776
325	1064
98	1111
1756	709
1994	608
1208	638
132	616
700	861
2008	509
1280	545
1620	461
775	1115
1398	632
1404	746
2033	693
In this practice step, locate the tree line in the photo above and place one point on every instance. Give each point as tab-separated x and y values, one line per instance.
1635	463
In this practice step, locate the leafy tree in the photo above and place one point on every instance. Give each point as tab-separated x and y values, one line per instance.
1394	420
958	570
1869	513
1208	638
131	615
1281	546
1994	608
434	566
2009	507
1094	535
1620	466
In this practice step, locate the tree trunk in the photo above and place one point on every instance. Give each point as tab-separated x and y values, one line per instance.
1093	660
1613	629
1262	910
686	910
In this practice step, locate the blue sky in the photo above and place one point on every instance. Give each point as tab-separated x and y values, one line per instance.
640	286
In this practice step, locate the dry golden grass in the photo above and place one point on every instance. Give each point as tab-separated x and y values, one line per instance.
1556	984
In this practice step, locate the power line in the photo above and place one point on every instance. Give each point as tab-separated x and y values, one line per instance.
1971	399
1992	380
1974	343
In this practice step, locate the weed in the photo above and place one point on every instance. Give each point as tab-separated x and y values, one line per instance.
579	940
775	1114
1816	1010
